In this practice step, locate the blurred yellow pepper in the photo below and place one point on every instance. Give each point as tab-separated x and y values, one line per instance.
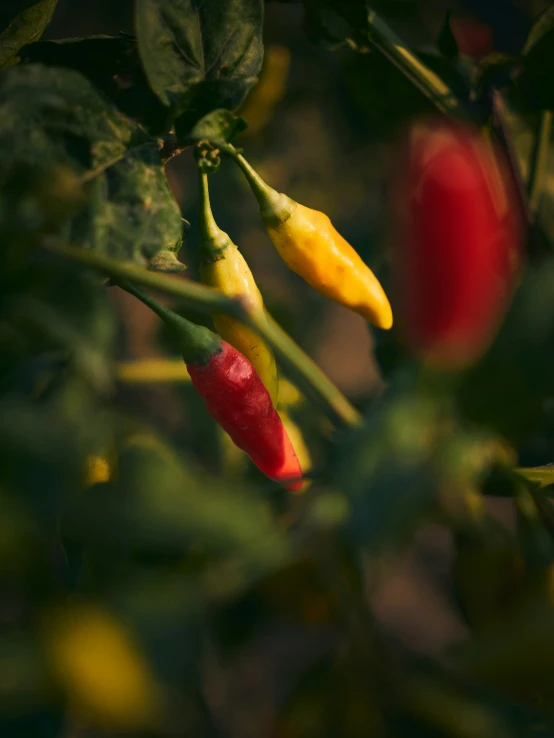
223	267
98	470
263	97
299	444
101	670
141	371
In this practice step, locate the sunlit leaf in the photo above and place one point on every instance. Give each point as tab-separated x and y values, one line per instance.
26	27
541	475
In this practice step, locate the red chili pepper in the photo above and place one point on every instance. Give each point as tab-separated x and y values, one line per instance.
458	244
238	399
235	396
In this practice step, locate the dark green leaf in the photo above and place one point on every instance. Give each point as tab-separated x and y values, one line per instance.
62	311
200	54
447	44
112	64
385	470
51	116
132	213
44	445
25	28
159	505
218	127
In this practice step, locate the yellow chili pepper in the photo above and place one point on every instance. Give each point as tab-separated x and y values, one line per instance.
223	267
98	470
289	395
261	101
310	245
299	444
101	669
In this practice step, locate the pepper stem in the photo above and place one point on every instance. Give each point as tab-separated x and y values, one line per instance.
275	207
213	241
197	343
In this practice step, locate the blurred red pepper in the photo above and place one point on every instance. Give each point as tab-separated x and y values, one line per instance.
234	394
473	36
458	244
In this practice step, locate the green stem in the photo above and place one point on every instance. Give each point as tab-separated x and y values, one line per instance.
303	370
198	344
309	377
213	241
431	85
539	163
275	207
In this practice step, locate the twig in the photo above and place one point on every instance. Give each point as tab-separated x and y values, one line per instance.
502	133
430	84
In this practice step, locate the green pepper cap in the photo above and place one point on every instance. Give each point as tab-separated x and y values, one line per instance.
275	207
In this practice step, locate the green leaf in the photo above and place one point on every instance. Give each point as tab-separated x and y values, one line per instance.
133	213
541	475
44	444
159	504
447	44
25	28
218	127
535	78
113	65
200	55
51	116
384	468
61	309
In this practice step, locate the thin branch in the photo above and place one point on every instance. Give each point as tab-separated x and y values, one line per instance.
501	130
539	163
305	372
430	84
502	133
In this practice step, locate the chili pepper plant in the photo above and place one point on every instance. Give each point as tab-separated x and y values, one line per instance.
226	538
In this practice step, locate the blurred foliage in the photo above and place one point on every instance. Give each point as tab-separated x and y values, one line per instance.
144	563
